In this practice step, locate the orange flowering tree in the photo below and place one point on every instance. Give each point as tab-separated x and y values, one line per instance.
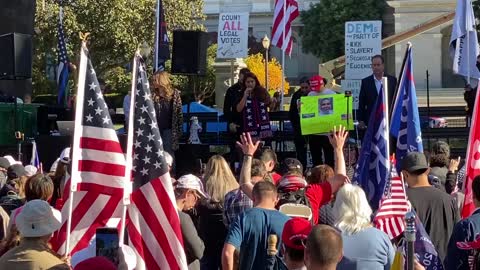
256	64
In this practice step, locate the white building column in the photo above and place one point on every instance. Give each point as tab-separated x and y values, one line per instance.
427	47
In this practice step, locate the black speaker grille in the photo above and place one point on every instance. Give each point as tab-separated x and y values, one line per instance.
189	54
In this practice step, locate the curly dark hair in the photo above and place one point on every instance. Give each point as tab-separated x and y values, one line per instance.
439	160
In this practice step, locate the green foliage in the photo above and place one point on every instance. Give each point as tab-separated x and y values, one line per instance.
324	24
116	27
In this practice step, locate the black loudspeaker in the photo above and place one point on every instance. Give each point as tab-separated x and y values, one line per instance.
17	16
16	56
189	54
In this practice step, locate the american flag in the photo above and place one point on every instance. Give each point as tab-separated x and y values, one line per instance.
405	124
373	165
62	69
98	166
153	222
283	23
393	207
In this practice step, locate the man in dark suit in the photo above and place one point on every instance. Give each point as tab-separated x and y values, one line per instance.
467	230
370	88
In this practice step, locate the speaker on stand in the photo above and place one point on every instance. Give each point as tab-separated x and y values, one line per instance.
189	54
16	56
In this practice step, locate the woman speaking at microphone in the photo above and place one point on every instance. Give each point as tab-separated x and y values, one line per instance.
254	108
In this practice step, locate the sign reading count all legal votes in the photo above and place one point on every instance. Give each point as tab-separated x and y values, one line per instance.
363	39
232	35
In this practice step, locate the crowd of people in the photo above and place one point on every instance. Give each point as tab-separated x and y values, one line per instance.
269	214
319	220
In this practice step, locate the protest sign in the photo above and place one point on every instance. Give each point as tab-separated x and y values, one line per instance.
363	39
354	87
232	35
319	114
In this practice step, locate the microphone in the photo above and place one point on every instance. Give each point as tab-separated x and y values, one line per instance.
272	245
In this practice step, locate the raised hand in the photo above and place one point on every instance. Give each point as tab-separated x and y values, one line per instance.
247	145
337	138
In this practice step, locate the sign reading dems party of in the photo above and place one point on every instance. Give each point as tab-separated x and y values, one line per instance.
319	114
363	40
232	35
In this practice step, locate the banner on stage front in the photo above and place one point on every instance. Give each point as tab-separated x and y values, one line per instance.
319	114
232	35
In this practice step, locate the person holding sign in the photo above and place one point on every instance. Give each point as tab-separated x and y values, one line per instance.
370	88
294	115
320	148
254	107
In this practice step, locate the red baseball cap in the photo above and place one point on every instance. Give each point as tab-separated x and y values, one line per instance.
315	82
95	263
295	231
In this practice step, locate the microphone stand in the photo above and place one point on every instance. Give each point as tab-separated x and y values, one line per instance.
410	238
348	95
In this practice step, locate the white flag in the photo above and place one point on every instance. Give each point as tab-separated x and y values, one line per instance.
463	31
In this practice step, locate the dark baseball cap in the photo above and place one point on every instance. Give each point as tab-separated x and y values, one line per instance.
414	161
15	171
291	164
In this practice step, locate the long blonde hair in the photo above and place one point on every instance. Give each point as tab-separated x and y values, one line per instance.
162	86
219	179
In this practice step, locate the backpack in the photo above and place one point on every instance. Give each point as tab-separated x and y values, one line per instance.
293	197
10	202
434	181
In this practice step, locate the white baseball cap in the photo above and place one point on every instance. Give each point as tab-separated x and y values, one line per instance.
190	181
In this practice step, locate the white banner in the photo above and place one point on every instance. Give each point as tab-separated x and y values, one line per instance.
363	39
232	35
354	87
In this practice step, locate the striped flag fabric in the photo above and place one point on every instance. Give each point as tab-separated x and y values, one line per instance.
153	223
371	172
286	11
393	207
96	185
62	69
405	122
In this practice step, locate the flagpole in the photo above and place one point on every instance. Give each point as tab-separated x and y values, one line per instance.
76	137
284	48
401	79
387	120
155	55
127	190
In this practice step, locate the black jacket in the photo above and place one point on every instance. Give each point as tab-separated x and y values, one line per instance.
232	97
368	96
293	113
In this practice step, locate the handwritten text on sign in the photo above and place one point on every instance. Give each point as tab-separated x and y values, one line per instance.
363	40
232	35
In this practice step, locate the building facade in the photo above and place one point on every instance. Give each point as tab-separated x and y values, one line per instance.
431	49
